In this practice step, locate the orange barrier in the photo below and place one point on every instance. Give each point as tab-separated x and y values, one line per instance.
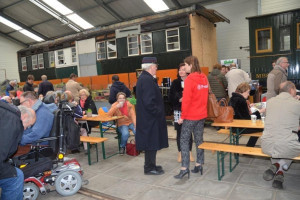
132	80
99	82
122	77
55	81
85	81
169	73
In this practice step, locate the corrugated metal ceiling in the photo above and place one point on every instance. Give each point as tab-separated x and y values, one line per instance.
97	12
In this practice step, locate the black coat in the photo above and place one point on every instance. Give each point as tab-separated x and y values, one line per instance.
239	104
116	87
11	134
28	87
176	94
89	104
151	126
44	87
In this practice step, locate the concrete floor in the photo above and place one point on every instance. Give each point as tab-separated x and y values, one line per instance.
123	176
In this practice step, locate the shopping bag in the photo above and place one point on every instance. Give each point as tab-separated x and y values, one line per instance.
131	148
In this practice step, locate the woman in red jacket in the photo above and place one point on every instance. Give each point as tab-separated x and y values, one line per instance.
194	112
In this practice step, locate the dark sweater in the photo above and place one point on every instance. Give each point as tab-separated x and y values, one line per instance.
28	87
116	87
176	94
218	83
44	87
239	104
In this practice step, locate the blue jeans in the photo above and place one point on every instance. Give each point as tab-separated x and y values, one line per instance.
12	188
124	130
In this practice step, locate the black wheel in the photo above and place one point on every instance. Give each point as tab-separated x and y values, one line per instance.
68	183
30	191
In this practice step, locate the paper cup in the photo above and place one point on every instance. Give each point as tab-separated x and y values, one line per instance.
253	118
263	119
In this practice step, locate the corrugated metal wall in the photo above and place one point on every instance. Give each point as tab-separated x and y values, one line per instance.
8	59
273	6
231	36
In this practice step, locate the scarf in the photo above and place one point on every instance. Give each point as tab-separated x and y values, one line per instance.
82	102
124	109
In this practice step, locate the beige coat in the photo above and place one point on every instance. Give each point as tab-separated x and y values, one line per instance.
74	87
275	77
283	114
234	78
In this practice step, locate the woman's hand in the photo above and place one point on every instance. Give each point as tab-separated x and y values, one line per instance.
180	100
263	110
180	121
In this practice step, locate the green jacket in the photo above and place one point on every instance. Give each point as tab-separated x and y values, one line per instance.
218	83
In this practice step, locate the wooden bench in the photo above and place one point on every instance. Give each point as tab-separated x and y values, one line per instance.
227	132
92	141
223	149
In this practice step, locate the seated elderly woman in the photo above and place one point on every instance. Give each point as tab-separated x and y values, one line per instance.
124	108
241	109
86	102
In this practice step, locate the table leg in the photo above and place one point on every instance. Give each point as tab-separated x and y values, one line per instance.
89	153
103	147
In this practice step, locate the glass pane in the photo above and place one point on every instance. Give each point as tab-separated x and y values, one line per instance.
133	45
298	28
112	54
172	39
147	49
132	39
60	52
73	50
133	51
146	36
172	33
264	40
102	44
173	46
147	43
284	38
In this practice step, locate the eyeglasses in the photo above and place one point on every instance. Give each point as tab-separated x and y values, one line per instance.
286	62
23	101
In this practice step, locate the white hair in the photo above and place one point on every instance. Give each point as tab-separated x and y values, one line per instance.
146	66
279	60
25	110
6	98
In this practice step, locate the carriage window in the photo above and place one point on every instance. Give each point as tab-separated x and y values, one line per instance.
51	59
298	35
263	40
74	58
24	64
41	61
101	51
133	45
172	37
111	49
146	43
34	62
284	38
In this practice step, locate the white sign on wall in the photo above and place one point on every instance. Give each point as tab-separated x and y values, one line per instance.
227	62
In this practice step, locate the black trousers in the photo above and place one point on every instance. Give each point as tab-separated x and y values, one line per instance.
178	129
252	140
150	160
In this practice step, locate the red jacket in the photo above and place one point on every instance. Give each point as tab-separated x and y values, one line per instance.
195	95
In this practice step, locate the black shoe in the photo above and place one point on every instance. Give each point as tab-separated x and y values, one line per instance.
182	173
278	181
158	168
154	172
197	169
122	151
270	173
75	151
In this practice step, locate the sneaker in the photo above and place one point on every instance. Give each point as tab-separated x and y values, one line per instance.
122	151
270	173
278	180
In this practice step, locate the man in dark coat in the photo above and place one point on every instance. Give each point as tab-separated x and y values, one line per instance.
11	178
151	126
29	83
45	86
117	87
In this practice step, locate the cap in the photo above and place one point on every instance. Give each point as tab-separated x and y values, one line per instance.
147	60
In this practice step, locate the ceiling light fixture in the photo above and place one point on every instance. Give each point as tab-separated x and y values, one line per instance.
157	5
20	29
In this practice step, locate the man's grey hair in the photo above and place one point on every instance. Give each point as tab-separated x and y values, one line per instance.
29	95
12	82
44	77
286	86
232	65
147	66
280	59
25	110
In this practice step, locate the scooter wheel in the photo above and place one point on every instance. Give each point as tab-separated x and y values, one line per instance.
68	183
30	191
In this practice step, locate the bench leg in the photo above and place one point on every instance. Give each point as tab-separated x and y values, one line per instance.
220	159
96	145
102	144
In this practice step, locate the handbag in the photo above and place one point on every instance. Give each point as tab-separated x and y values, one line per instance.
131	148
225	113
212	106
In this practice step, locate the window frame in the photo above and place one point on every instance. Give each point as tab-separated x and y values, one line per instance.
138	45
41	64
107	53
282	27
23	67
105	50
63	56
74	54
34	58
167	47
298	32
51	57
141	43
256	40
